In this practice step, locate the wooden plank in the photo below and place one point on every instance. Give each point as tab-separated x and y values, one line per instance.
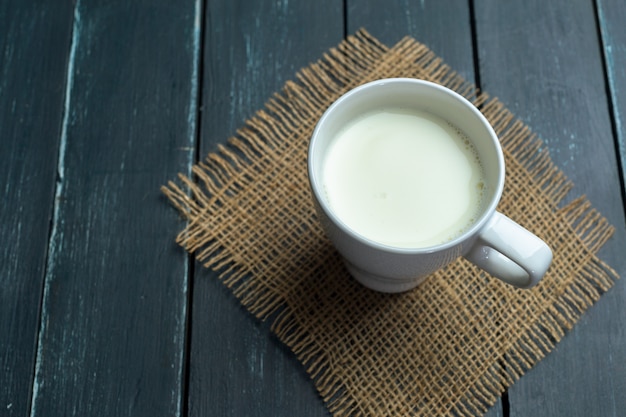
443	27
34	40
237	368
611	18
115	294
543	60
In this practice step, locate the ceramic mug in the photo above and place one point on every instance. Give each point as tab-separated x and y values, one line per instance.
492	241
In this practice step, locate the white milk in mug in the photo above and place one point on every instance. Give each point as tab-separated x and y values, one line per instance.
404	178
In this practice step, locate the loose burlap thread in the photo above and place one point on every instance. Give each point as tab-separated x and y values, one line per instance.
450	347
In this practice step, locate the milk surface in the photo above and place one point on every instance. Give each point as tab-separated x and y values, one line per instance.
404	178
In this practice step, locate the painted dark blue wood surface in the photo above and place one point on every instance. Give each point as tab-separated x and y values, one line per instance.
34	39
101	102
611	15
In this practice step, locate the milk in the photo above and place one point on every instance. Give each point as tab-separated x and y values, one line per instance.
404	178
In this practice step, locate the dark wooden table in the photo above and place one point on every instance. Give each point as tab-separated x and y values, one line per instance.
102	102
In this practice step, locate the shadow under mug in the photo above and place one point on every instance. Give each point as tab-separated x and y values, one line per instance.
493	242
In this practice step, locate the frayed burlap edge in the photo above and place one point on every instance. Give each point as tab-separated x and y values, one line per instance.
297	108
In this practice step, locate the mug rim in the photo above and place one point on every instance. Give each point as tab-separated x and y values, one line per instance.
478	225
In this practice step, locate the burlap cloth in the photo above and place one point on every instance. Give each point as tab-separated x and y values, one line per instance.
450	347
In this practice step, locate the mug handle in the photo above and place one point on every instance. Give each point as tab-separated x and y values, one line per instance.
511	253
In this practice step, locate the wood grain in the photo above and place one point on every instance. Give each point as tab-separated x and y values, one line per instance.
611	17
237	367
443	26
115	296
543	60
34	47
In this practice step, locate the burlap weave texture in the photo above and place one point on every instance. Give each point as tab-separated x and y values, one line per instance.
450	347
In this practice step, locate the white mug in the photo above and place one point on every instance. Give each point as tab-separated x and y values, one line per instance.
492	241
